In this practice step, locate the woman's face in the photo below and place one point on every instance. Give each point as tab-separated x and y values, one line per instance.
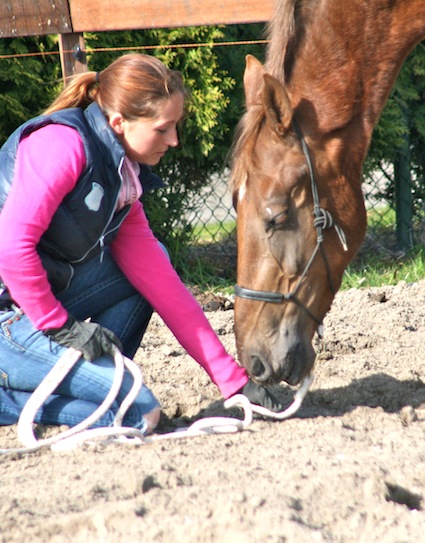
147	140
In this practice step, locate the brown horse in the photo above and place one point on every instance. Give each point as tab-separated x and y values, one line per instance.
296	167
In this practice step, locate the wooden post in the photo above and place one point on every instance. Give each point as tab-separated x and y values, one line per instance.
403	198
72	55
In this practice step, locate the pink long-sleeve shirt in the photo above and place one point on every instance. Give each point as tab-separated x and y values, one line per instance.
49	163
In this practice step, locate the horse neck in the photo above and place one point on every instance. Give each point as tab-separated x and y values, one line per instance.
347	59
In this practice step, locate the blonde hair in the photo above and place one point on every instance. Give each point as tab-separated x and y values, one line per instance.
134	85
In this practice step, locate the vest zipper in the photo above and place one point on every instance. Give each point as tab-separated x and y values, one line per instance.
102	237
102	247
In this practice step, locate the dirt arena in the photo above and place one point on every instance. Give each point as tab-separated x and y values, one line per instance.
349	467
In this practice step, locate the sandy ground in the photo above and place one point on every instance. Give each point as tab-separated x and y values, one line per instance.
348	468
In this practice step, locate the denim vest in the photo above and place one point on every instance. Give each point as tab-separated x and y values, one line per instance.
86	220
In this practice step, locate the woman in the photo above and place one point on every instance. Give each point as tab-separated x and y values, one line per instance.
79	265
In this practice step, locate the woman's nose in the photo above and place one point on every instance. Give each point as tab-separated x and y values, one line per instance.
172	138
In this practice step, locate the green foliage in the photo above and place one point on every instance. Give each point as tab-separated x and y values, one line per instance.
28	83
232	60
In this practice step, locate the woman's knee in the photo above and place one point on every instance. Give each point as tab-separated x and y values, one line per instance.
152	419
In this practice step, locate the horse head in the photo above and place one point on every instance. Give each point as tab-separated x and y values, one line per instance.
296	167
299	224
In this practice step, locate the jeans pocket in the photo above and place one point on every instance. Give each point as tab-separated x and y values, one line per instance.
4	379
8	320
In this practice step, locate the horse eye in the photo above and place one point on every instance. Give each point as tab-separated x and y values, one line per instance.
277	222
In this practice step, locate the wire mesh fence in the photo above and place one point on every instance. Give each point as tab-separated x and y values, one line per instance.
212	221
396	213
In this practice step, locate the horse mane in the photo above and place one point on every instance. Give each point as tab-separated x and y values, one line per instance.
281	32
285	31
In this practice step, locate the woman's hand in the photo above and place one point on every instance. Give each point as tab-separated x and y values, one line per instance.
90	338
259	395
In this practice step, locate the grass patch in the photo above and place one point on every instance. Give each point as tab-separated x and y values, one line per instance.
376	271
214	233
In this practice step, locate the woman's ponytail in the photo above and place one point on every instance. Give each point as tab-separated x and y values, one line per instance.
80	92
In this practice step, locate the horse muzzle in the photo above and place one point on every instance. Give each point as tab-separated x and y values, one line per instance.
289	363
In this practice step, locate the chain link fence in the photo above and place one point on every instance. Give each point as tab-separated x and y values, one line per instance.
396	222
212	221
396	212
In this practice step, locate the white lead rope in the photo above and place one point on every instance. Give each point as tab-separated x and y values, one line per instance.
243	402
80	433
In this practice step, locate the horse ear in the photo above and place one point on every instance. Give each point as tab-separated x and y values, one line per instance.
277	106
253	81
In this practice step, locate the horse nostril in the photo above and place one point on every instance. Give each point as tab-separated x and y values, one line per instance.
257	368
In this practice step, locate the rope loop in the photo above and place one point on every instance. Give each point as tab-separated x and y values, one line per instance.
322	220
80	433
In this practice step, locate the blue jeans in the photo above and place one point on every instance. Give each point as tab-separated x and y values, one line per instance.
99	290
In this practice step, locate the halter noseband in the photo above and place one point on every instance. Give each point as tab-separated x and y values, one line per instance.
322	219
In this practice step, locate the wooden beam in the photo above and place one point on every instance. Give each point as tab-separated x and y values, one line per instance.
104	15
39	17
34	17
72	55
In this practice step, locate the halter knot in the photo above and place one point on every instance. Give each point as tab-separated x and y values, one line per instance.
323	219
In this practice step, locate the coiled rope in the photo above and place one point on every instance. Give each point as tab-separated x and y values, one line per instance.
80	433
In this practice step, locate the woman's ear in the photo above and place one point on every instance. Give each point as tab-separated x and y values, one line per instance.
116	122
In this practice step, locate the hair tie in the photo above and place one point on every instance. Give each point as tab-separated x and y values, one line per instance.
97	78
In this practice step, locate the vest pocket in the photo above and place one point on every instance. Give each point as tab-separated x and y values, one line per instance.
59	273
